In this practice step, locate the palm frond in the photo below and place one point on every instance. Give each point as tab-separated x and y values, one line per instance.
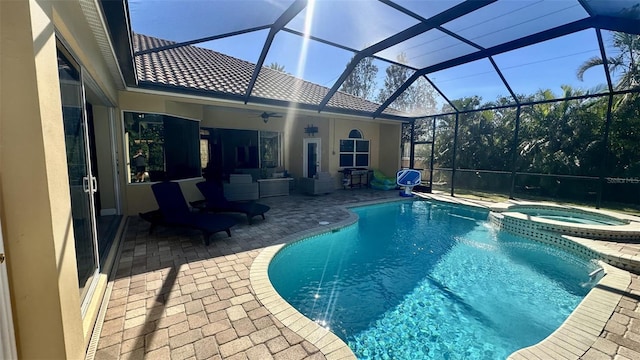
592	62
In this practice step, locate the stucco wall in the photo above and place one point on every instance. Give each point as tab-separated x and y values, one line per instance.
370	131
35	202
389	151
36	211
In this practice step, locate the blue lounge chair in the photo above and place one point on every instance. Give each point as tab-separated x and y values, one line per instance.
214	201
174	211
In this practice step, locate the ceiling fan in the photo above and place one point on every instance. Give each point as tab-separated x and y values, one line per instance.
266	115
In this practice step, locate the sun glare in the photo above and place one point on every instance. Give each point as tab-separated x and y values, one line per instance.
302	59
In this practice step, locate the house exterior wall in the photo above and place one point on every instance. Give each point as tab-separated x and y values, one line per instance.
370	131
216	114
389	149
35	206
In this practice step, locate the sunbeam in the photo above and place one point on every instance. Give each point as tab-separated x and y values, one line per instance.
300	68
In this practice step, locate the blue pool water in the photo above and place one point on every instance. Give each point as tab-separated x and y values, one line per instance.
570	216
420	280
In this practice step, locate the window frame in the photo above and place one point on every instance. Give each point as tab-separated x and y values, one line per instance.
354	151
129	167
280	151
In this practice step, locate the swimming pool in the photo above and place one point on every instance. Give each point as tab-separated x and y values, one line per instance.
458	289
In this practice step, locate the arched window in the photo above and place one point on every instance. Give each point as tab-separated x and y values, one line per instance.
354	151
355	134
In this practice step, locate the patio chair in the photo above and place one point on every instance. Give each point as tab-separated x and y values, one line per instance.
321	183
215	201
174	211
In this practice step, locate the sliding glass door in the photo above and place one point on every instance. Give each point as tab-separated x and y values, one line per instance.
82	184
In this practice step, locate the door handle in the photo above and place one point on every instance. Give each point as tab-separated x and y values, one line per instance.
85	184
2	258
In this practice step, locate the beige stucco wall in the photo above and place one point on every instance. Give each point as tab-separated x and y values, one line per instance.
35	206
370	131
389	150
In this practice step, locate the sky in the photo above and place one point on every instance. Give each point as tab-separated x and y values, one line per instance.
349	23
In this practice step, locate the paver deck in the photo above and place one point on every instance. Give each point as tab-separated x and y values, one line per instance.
173	297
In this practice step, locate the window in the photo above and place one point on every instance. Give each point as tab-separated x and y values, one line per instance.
228	151
270	149
355	134
170	146
353	151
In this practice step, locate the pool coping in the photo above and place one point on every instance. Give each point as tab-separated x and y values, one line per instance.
572	339
584	325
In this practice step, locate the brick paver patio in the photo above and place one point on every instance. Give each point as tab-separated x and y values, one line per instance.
172	297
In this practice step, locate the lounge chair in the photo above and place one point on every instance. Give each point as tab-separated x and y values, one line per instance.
215	201
174	211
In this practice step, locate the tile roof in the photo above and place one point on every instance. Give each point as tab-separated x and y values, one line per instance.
196	68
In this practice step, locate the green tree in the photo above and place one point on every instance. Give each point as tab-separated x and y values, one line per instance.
418	99
625	63
396	75
484	136
361	82
276	66
624	137
562	137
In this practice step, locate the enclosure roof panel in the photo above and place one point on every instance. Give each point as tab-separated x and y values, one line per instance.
195	69
310	53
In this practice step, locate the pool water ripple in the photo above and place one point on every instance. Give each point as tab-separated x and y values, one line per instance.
411	281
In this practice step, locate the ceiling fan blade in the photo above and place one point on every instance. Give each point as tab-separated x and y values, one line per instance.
266	115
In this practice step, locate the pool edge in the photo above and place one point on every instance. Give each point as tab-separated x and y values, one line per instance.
582	328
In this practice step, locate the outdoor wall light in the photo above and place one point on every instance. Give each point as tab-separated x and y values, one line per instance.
311	130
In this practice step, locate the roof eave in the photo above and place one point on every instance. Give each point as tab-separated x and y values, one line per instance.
240	99
116	14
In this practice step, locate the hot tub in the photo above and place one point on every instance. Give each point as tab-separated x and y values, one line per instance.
535	219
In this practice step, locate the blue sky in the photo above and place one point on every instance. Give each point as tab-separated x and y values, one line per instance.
547	65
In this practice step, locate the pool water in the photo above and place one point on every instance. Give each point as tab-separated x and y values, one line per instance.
419	280
573	217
